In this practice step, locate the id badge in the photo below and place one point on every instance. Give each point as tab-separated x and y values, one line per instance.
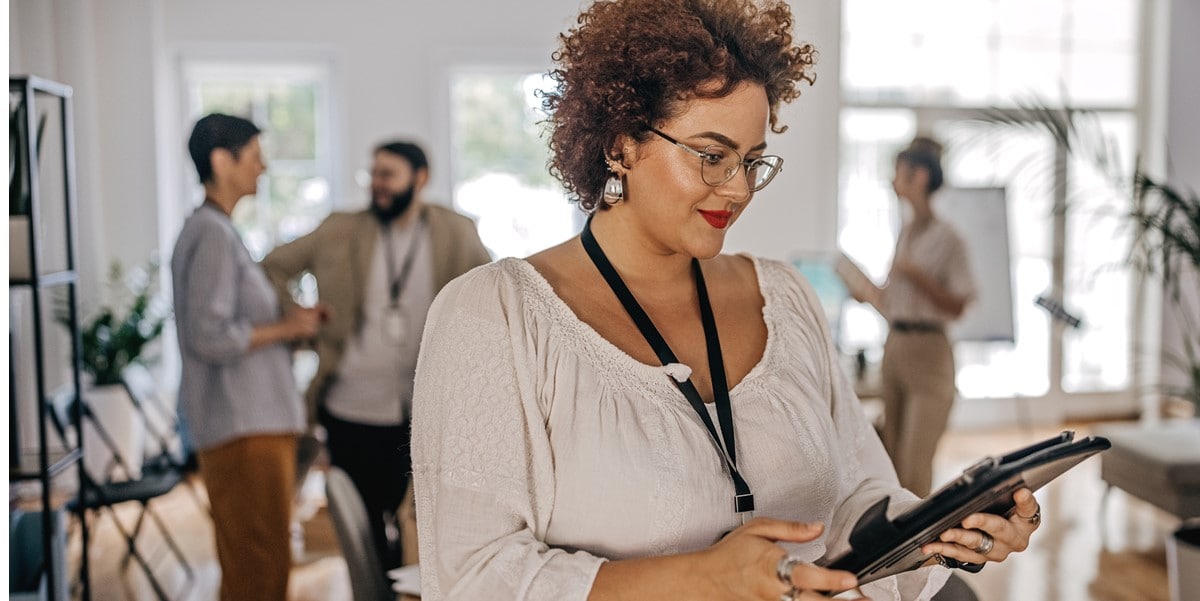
393	324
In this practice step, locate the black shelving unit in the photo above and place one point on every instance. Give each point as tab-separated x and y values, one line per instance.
51	253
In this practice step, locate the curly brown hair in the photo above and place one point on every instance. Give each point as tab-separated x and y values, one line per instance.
629	64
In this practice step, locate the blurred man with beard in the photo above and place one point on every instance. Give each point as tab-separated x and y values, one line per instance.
378	271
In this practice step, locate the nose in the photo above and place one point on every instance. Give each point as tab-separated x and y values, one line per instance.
736	188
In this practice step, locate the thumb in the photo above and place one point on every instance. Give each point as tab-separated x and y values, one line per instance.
783	530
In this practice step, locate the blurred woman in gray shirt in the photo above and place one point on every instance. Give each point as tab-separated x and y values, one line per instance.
237	391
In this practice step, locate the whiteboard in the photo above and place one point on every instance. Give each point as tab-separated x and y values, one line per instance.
981	216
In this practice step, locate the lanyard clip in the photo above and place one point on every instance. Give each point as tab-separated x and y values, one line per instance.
743	504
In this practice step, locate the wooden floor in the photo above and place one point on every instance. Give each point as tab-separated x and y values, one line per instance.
1085	551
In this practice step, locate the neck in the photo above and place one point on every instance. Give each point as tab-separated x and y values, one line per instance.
222	199
640	261
922	210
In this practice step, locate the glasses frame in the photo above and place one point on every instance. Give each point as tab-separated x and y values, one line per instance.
744	163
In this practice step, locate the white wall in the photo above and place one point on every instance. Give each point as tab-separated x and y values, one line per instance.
390	62
1182	160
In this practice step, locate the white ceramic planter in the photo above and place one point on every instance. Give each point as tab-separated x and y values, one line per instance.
111	407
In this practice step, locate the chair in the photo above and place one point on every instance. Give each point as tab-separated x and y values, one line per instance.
367	579
165	448
158	477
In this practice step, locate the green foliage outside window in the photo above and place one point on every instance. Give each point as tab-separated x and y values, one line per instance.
493	129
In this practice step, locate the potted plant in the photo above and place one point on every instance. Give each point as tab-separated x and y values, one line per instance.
1165	220
1167	245
118	334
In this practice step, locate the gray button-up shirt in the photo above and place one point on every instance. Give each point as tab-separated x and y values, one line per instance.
228	391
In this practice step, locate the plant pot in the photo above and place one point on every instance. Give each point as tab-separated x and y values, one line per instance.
114	436
1183	562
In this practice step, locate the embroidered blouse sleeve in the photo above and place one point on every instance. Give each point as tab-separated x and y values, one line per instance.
483	471
867	472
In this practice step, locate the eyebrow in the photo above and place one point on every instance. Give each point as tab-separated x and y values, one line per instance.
727	141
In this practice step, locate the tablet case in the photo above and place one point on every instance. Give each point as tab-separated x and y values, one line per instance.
880	547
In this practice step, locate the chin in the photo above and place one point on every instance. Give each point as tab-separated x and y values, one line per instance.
708	250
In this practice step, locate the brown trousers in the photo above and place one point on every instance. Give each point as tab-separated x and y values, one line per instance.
918	392
251	483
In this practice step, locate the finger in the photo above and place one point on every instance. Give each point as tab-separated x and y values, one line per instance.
809	577
1004	541
1027	505
782	530
955	551
967	539
810	596
815	596
988	522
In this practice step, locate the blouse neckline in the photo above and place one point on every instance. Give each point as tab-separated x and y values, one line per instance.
654	374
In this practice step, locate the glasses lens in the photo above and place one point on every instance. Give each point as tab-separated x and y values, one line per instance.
762	170
719	164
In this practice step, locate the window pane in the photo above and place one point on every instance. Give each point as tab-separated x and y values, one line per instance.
1019	160
287	102
990	51
500	163
868	213
1097	279
291	116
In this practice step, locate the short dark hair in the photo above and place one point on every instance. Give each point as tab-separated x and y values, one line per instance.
407	151
925	153
218	131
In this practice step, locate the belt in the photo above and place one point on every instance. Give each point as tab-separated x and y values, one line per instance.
915	326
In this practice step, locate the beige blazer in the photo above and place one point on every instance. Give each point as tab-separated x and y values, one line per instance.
338	254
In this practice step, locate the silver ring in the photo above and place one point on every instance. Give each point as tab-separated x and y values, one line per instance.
986	544
790	595
783	570
1034	519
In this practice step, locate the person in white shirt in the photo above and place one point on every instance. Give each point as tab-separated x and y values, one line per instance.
602	419
929	286
377	270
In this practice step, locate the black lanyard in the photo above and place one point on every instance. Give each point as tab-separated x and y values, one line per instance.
396	281
743	500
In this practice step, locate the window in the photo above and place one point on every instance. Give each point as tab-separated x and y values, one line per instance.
931	68
289	102
500	162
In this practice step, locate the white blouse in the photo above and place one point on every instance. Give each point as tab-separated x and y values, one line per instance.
540	450
937	249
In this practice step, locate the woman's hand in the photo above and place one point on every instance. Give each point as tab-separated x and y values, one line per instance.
302	323
1006	535
744	564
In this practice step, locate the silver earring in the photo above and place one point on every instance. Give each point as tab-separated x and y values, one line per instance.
614	190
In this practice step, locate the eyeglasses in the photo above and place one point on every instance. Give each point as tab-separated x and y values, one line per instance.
719	163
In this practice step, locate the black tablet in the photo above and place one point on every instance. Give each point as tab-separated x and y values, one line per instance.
880	547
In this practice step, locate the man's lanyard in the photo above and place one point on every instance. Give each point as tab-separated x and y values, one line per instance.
396	281
743	500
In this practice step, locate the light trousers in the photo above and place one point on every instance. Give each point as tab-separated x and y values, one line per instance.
251	484
918	392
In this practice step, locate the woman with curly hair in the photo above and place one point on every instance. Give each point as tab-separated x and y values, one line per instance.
603	419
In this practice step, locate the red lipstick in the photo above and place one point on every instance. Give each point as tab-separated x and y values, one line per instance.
717	219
